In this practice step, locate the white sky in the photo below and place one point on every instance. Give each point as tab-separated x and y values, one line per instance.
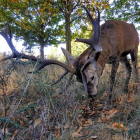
4	48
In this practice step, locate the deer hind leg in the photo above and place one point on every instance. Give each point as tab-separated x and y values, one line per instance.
128	67
114	69
134	62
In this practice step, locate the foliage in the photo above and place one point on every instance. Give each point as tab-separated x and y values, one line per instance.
127	10
39	23
77	48
56	53
36	22
80	22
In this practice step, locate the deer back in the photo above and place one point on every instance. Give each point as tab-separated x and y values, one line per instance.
118	37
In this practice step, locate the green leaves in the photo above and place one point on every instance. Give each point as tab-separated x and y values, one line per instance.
126	10
36	22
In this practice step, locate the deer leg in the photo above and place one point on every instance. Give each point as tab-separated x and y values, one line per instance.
128	67
114	69
134	62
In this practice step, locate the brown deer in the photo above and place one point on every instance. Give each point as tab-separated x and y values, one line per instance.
110	43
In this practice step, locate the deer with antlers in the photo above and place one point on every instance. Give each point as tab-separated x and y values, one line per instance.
110	44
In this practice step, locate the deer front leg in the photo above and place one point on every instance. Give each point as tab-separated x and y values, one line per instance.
128	67
114	69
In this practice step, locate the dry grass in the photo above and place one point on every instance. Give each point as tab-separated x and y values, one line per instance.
30	108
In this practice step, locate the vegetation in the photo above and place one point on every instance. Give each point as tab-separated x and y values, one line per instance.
34	22
125	10
31	108
43	23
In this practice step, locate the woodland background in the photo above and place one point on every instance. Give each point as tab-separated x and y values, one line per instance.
30	107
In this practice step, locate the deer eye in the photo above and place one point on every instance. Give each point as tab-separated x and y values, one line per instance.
92	77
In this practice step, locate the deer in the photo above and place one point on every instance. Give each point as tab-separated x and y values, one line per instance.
109	44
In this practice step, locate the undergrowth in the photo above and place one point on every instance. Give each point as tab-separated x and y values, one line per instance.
31	108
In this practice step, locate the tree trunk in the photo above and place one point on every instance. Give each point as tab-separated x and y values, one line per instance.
42	43
42	48
42	52
68	32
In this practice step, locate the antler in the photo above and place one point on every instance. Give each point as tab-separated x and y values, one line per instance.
94	40
15	53
43	63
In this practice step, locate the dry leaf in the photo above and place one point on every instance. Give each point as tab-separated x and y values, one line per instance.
93	137
1	112
122	127
90	112
103	117
37	121
82	107
119	126
112	113
130	100
79	116
14	135
99	120
76	135
89	121
116	124
99	105
117	137
57	135
66	126
87	132
79	130
81	121
21	122
57	95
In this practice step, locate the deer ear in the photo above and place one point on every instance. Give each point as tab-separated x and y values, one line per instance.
68	56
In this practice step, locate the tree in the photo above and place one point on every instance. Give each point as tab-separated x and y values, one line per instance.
36	22
72	12
127	10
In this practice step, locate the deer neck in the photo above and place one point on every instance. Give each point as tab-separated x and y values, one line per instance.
102	60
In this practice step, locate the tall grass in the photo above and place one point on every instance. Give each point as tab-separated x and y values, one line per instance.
31	108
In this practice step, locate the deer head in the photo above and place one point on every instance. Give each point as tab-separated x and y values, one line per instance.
84	67
87	70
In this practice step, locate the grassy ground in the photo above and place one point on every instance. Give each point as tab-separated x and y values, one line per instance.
31	108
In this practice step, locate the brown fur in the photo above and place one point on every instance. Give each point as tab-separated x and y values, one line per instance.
117	39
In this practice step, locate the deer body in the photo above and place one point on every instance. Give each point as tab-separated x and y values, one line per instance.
118	38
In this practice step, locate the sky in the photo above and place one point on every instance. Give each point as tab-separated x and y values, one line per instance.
4	48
